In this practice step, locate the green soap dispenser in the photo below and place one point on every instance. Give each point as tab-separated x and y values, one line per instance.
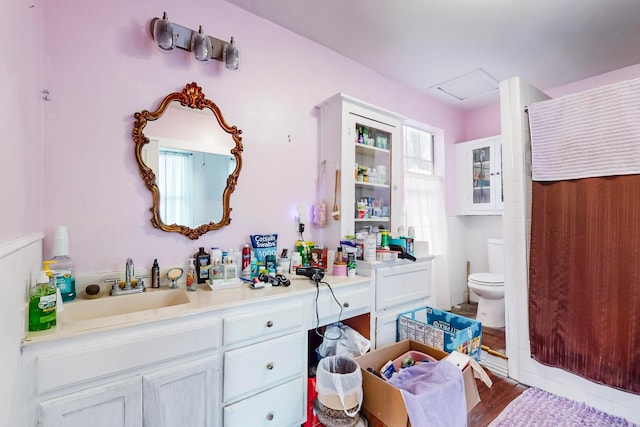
42	302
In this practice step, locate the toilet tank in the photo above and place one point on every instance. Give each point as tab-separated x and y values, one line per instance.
496	256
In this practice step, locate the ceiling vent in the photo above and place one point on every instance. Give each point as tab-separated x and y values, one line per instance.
474	83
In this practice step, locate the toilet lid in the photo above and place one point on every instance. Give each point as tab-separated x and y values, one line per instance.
487	279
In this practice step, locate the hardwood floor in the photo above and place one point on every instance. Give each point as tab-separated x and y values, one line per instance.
493	400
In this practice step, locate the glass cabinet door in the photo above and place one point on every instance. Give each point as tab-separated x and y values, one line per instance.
482	175
372	175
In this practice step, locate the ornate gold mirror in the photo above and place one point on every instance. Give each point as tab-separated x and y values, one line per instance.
190	160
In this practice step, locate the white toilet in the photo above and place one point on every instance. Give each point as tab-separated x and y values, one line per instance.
490	287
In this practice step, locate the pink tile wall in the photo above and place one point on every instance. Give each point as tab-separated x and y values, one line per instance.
101	66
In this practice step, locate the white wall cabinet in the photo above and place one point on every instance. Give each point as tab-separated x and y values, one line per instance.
479	181
365	143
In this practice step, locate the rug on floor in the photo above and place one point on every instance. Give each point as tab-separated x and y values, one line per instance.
535	407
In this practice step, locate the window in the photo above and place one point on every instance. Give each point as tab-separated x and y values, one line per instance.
424	208
418	149
176	187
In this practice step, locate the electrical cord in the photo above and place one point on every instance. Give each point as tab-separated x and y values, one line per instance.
320	334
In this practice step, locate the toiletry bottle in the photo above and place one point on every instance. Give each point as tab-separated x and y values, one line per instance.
246	262
351	264
202	263
63	267
230	269
42	303
296	261
192	283
254	265
155	274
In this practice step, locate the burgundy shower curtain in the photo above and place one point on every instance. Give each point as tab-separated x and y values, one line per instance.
584	278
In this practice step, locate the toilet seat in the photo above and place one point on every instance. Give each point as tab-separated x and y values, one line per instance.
487	279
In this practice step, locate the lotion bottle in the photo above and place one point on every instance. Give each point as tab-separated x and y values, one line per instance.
192	283
155	274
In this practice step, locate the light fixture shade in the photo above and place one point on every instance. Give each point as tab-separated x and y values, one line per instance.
163	34
231	56
201	46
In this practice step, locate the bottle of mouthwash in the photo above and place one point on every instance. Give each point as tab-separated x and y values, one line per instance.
42	302
63	267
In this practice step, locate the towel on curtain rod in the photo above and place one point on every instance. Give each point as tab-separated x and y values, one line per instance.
588	134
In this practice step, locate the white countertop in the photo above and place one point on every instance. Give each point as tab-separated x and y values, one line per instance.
202	301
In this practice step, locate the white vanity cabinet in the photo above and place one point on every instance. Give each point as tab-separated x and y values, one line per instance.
397	287
479	181
265	365
153	375
364	142
117	404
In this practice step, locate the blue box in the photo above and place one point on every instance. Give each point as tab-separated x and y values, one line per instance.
442	330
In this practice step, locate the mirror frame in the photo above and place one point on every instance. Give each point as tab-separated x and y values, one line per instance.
192	97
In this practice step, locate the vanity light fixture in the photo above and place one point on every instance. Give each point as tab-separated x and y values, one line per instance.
231	56
201	46
204	48
162	32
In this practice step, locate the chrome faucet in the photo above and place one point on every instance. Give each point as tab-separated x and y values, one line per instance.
128	273
128	287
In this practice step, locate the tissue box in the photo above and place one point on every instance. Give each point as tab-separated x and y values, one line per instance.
442	330
383	401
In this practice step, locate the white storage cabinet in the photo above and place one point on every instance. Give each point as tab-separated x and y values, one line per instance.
479	181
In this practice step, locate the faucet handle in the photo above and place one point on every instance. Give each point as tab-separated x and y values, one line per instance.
115	284
140	281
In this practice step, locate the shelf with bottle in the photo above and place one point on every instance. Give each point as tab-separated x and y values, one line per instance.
372	138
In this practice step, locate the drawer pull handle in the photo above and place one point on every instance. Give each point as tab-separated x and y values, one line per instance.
270	416
346	305
269	323
270	366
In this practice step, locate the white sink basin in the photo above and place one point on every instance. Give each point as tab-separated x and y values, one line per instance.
109	306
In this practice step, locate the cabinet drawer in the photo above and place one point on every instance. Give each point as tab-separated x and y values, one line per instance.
352	302
280	406
402	283
263	323
256	367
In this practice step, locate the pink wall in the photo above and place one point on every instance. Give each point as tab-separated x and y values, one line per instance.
101	66
21	161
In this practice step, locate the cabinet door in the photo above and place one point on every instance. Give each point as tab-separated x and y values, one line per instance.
183	395
479	175
118	404
373	195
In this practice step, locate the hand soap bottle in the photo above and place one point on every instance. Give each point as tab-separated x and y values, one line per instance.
63	267
42	302
192	283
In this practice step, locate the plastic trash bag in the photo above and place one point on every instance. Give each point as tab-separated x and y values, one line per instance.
339	384
342	340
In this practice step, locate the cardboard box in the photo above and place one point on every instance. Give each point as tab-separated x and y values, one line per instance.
384	401
442	330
